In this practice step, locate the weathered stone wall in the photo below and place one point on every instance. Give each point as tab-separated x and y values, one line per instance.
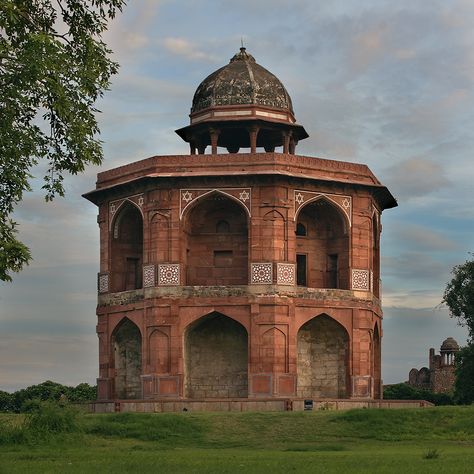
443	378
128	361
216	359
322	359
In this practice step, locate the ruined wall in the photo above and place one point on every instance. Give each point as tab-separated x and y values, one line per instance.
322	359
216	359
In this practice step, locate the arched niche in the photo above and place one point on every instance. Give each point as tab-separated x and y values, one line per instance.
127	350
273	233
126	256
377	362
216	236
323	359
216	358
322	246
160	238
159	352
375	256
273	351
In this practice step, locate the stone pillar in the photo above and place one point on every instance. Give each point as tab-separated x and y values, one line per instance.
293	143
253	132
286	141
214	137
192	148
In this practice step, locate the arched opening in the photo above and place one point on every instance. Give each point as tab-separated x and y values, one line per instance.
375	257
377	363
322	361
216	243
126	256
127	347
216	358
322	248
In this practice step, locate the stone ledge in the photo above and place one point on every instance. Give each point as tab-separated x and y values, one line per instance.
249	291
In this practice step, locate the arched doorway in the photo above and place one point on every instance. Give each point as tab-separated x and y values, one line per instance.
216	358
127	348
322	364
216	242
126	255
322	246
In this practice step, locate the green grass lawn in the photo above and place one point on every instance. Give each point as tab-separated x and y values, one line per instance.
435	440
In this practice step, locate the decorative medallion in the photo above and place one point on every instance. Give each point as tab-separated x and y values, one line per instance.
285	273
261	273
360	280
168	274
344	203
148	276
103	282
188	196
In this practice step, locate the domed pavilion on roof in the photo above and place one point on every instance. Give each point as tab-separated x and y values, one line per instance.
248	279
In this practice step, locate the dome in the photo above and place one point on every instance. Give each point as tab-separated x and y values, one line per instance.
241	82
449	345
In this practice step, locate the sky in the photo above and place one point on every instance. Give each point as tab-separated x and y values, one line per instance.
388	84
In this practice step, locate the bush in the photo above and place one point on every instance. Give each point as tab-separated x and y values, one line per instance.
27	399
52	418
403	391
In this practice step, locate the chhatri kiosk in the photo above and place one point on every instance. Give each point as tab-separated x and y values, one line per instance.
241	273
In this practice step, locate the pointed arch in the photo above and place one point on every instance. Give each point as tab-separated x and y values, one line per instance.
323	249
213	257
159	352
274	234
126	248
127	356
273	351
323	359
207	193
215	358
338	207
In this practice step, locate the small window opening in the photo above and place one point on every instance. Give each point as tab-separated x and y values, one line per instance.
300	229
301	270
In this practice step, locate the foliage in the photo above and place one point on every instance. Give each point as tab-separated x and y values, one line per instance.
6	402
404	391
52	418
29	399
53	67
459	295
464	384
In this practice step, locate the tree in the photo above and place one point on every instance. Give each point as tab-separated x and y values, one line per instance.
53	68
459	295
464	384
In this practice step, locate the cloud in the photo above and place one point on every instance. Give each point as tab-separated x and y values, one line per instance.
187	49
414	177
422	238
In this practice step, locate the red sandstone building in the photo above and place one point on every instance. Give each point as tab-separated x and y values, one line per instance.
251	275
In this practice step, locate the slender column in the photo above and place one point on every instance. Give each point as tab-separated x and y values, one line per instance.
293	143
253	132
192	148
286	141
214	137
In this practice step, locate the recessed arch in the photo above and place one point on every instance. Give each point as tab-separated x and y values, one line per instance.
117	213
127	356
215	358
322	252
213	257
329	200
126	248
377	361
189	205
323	359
